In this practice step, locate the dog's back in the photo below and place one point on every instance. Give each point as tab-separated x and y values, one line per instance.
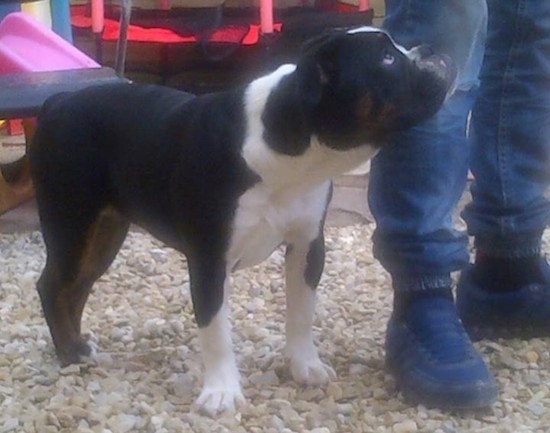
123	144
111	118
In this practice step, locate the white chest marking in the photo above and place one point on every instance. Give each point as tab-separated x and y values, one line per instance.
263	221
292	195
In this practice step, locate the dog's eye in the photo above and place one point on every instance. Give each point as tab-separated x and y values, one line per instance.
388	58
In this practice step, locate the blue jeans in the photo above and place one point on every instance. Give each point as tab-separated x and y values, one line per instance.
417	179
510	153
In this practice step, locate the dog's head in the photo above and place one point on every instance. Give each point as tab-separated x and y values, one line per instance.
358	86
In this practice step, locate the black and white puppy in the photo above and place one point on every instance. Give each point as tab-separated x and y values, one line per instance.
224	178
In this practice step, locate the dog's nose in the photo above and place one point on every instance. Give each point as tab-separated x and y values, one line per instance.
427	59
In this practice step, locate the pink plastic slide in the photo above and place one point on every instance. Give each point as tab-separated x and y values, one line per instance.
27	45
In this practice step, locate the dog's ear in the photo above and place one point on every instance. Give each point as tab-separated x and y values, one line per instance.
317	67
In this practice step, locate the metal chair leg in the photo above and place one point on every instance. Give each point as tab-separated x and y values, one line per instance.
122	42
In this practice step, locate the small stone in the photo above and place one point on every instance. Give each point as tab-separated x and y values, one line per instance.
77	412
70	369
65	418
9	425
146	408
157	421
512	363
83	427
407	426
320	430
276	422
358	370
93	386
335	391
46	379
344	408
183	386
39	395
532	379
536	409
531	356
379	394
52	420
267	378
122	423
284	393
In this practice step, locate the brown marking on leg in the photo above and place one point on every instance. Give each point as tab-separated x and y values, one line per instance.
64	292
52	288
104	241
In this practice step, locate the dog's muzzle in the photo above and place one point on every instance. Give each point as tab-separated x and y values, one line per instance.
440	65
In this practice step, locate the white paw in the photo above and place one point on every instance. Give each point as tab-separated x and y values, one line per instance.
215	400
311	371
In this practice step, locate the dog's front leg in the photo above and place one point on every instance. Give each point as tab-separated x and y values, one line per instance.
304	262
221	389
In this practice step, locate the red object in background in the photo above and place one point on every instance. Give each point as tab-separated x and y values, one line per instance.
246	35
15	127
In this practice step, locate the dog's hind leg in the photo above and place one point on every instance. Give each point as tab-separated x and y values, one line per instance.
304	263
221	389
78	253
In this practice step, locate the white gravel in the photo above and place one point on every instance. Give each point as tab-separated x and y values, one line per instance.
147	370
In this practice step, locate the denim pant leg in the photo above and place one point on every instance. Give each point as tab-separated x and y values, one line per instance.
417	179
511	131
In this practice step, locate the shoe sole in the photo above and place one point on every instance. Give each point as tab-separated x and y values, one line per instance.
484	399
478	397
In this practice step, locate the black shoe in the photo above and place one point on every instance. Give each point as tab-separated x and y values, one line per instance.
522	313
